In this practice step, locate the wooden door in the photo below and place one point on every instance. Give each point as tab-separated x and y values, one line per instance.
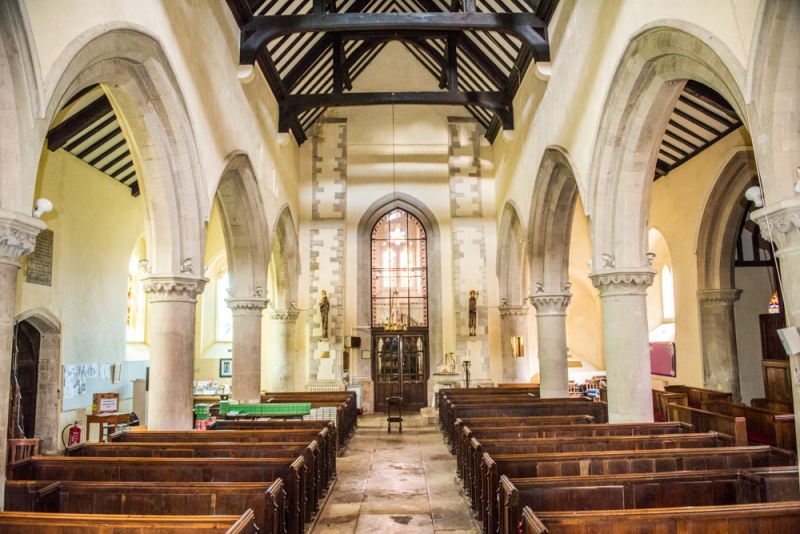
27	355
400	368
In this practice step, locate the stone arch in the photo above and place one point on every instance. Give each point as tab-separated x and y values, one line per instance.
425	216
48	406
141	85
650	76
20	93
511	253
244	225
550	222
286	259
716	292
775	93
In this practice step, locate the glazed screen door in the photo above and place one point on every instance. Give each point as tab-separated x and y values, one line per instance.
400	369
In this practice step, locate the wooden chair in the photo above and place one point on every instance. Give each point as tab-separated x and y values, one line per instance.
19	449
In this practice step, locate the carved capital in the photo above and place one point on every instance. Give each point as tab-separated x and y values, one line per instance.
551	303
617	282
513	310
284	315
246	305
718	297
780	222
17	235
173	288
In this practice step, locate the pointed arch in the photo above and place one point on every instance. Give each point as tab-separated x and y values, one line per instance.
285	260
650	76
511	256
555	195
137	76
244	226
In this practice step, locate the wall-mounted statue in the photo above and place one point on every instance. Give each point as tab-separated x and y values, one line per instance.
473	311
324	308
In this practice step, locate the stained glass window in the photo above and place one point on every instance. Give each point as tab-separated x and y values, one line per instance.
399	271
137	302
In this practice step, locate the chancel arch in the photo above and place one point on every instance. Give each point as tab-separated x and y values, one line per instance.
513	276
653	71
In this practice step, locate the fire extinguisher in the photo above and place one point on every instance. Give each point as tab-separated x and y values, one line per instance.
74	434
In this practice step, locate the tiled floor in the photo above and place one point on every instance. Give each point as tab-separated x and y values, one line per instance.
395	483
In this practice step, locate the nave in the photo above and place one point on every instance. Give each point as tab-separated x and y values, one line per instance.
395	482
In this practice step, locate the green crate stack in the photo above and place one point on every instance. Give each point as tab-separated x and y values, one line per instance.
224	407
202	412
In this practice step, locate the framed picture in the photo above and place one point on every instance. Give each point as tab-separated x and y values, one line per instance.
226	367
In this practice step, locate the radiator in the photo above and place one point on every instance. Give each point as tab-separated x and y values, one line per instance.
323	388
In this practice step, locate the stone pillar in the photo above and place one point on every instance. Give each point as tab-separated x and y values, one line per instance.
513	323
246	347
718	335
173	304
626	342
551	325
781	223
283	349
17	238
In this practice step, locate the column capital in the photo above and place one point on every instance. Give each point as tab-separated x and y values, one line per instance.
513	309
780	222
284	315
551	303
173	288
17	235
718	297
616	282
246	305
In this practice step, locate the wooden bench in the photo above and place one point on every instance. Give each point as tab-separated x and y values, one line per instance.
266	500
617	462
508	422
735	519
705	421
697	396
345	402
638	491
445	395
662	398
175	470
36	523
763	426
275	424
317	481
776	405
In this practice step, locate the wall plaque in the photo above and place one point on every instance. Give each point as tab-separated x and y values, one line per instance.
39	264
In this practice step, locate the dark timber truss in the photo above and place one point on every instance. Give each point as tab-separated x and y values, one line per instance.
311	51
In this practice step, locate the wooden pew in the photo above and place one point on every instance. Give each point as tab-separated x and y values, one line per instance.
507	422
662	398
735	519
637	491
447	394
697	396
705	421
345	402
175	470
35	523
316	481
266	500
618	462
776	405
763	426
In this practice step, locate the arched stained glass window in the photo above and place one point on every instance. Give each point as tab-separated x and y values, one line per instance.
399	271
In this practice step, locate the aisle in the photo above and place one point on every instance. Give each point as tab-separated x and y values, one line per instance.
395	483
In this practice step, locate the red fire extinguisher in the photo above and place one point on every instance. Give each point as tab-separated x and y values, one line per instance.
74	434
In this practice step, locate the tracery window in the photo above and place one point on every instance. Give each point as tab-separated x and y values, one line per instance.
224	330
399	271
137	302
667	294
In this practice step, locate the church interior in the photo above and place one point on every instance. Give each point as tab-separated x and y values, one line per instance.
204	201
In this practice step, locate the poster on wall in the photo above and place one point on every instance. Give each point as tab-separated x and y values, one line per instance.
662	358
74	381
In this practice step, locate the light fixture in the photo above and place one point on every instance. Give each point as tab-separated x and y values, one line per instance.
517	347
42	206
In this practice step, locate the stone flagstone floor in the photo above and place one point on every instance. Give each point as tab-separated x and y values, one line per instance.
395	483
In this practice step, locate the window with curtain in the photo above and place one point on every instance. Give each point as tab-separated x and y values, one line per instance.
399	271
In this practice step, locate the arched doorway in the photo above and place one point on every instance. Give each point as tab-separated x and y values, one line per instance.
399	318
25	376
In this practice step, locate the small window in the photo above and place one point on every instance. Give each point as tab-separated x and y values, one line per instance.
224	314
137	302
667	294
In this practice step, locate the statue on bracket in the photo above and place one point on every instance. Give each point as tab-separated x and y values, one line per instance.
324	308
473	311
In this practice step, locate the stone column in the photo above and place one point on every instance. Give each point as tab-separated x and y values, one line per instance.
718	336
283	349
246	353
551	325
513	323
173	304
17	238
781	222
626	342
